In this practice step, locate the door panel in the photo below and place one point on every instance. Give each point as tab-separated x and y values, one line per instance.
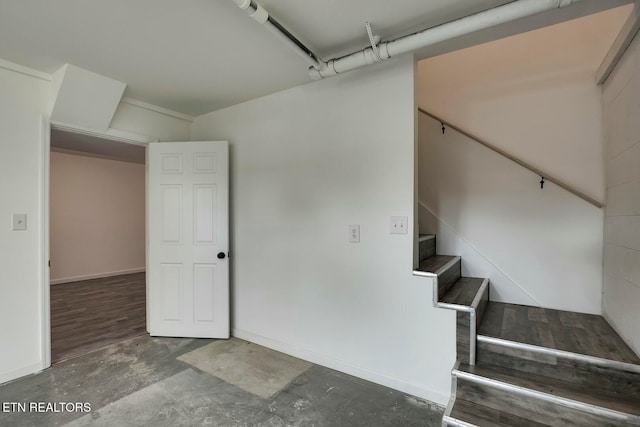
188	215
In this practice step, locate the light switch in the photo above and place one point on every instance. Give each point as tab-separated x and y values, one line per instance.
354	234
399	225
19	222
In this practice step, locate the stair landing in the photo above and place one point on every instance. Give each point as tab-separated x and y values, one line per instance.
585	334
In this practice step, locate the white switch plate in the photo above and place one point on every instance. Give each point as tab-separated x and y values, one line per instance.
354	234
399	225
19	222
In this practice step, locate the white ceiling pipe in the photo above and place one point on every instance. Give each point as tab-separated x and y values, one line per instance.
472	23
260	14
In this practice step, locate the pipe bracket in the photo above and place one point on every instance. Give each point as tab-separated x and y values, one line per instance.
260	14
243	4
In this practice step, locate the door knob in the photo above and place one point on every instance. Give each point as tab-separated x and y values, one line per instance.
221	255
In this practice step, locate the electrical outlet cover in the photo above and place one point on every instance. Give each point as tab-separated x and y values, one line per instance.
19	222
354	234
399	225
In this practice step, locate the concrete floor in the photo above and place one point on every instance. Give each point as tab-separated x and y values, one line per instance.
178	382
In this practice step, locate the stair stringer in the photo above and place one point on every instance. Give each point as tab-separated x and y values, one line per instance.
467	317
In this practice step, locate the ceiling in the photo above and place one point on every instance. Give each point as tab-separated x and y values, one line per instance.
336	27
196	56
87	145
577	46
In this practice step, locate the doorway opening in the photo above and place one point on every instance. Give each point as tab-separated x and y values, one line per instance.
97	241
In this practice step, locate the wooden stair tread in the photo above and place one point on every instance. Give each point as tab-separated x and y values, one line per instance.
463	292
423	237
435	263
483	416
590	395
586	334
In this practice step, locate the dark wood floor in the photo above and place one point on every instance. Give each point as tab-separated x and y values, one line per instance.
561	330
95	313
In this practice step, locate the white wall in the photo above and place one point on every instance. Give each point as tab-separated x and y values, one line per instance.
97	217
533	95
24	101
132	118
306	163
621	300
538	247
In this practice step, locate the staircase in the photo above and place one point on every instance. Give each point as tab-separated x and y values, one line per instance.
529	366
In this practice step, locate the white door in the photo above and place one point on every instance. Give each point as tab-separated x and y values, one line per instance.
188	235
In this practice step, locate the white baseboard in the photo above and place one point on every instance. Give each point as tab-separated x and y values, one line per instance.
338	365
20	372
97	276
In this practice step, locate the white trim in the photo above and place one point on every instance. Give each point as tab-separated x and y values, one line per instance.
347	368
425	237
14	374
551	398
21	69
45	321
94	155
156	109
147	301
448	265
620	45
472	317
472	337
111	134
455	307
584	358
476	300
436	284
452	400
453	422
476	250
98	276
45	303
424	274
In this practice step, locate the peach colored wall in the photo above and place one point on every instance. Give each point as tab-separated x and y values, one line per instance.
532	95
97	217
